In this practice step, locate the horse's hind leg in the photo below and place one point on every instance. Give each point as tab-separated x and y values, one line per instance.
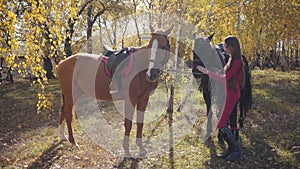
67	116
207	99
69	119
62	120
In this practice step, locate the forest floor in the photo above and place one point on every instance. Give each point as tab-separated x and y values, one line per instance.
270	138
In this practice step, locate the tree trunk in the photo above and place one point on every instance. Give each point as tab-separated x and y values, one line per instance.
136	24
100	31
48	68
89	29
123	35
70	30
67	48
115	34
68	40
208	19
297	55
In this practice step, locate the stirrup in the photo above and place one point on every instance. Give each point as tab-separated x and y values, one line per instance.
113	90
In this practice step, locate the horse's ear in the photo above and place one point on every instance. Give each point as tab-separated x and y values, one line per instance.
210	37
168	31
151	28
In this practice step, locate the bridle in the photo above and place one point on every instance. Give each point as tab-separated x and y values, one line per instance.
153	69
165	48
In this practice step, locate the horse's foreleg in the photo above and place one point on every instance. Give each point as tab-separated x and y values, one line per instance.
139	132
128	126
129	110
207	99
141	107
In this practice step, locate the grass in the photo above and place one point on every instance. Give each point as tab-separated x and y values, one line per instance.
270	138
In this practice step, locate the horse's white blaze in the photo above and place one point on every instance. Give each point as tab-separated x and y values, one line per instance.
153	56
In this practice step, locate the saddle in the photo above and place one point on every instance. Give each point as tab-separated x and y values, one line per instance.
115	57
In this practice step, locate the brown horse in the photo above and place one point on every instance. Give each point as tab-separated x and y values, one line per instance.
85	74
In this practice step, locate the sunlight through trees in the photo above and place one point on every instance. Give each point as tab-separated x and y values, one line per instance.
42	31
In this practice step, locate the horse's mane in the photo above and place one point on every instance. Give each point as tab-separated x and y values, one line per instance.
207	53
203	44
137	48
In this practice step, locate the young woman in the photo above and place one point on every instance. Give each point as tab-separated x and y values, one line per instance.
233	78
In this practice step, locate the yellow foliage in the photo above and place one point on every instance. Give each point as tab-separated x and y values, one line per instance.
42	26
258	24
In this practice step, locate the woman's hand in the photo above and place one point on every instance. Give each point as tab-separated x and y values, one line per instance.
202	69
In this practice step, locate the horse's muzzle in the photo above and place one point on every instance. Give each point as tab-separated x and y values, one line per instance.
152	75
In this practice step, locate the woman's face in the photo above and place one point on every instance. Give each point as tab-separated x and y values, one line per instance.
228	49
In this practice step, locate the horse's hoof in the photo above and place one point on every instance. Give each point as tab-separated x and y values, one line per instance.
128	156
74	144
63	138
142	153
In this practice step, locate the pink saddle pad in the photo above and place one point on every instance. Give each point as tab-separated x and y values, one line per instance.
125	70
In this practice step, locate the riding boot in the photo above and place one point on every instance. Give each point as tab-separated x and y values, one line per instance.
235	134
220	138
226	154
221	141
233	146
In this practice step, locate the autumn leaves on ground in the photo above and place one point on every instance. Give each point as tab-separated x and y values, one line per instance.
270	138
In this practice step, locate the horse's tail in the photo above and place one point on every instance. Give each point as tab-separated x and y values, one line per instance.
246	92
246	97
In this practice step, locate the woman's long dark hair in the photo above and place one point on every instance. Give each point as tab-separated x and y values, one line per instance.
235	55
